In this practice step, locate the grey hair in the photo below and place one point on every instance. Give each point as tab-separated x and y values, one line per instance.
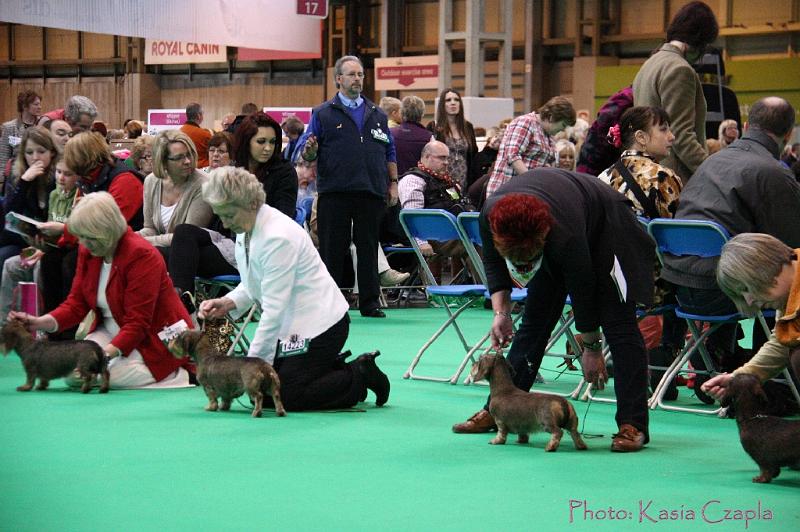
337	67
193	111
750	262
97	215
413	109
78	105
229	185
389	104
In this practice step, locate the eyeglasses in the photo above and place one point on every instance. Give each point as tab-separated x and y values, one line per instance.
147	157
179	158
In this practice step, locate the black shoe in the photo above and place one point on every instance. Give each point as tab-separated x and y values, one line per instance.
374	313
374	378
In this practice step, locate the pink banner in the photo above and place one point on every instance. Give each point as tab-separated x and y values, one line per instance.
279	114
167	118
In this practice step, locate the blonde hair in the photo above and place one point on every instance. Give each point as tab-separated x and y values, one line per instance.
235	186
139	146
750	262
161	150
97	215
86	151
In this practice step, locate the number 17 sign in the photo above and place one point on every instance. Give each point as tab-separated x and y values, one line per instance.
313	8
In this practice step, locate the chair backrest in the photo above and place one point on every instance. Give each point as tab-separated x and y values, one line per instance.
678	237
469	226
428	224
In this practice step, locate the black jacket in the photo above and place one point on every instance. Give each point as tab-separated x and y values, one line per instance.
745	189
280	183
589	220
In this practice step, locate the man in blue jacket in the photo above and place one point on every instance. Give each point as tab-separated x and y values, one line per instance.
356	178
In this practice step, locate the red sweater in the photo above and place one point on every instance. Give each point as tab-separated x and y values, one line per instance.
141	298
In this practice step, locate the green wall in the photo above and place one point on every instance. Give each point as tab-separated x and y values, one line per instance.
750	80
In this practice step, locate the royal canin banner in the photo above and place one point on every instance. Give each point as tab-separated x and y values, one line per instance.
172	52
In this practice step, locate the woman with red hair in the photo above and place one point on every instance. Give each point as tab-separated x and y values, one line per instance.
560	233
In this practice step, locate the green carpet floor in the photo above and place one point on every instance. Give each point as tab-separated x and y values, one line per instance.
155	460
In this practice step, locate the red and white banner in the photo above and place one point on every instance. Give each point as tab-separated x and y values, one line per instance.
402	73
164	119
171	52
263	24
279	114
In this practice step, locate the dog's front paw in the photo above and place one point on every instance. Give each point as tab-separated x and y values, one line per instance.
24	388
762	479
497	441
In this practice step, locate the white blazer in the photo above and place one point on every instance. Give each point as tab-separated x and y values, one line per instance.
289	281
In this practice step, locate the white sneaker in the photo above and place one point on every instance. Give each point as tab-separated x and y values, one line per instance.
393	278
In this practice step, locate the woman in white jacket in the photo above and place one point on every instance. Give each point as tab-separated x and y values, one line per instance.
304	322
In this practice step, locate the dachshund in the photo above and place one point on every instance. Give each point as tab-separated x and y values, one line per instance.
47	360
522	413
227	377
771	442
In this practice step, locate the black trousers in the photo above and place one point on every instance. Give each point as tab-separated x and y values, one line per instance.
57	271
192	254
545	303
342	218
318	380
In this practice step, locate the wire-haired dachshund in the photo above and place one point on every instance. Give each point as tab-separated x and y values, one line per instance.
47	360
226	378
772	442
519	412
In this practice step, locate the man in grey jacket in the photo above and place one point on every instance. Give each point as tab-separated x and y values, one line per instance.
745	189
667	80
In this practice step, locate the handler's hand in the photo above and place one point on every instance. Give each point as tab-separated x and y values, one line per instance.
502	332
392	194
310	149
594	368
215	308
717	385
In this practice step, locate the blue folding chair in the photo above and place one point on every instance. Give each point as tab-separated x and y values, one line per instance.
438	225
469	227
702	238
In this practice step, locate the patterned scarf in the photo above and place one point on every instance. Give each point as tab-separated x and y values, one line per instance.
441	177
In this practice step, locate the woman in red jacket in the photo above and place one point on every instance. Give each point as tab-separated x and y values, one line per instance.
124	281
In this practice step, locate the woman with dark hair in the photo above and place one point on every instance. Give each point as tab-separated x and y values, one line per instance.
557	232
667	80
32	180
220	149
654	190
645	137
258	150
458	134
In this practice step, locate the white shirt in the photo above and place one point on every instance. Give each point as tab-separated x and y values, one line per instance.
287	278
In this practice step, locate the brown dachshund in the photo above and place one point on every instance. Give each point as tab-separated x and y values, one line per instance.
47	360
522	413
226	377
772	442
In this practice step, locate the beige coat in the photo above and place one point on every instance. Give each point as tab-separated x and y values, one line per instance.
668	81
191	209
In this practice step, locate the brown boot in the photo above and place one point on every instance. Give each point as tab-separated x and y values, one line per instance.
629	439
481	421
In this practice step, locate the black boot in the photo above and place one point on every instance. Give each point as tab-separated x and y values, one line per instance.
374	378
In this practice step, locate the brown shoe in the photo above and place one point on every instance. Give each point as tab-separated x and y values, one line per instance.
629	439
481	421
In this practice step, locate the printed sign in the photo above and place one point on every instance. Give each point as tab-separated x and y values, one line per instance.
164	119
171	52
401	73
313	8
279	114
